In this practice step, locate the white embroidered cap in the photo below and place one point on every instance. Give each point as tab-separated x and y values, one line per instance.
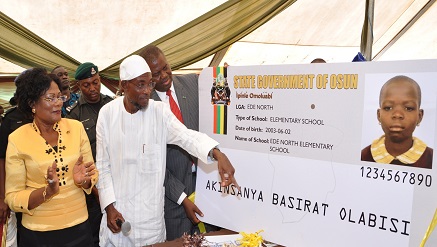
132	67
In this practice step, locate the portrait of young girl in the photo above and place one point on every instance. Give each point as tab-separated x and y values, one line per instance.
399	114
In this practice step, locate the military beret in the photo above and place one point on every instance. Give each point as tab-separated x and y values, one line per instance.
85	70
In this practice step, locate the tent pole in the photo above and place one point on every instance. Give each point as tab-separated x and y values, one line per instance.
218	56
367	31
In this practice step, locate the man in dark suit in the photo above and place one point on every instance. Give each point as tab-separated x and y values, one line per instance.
184	93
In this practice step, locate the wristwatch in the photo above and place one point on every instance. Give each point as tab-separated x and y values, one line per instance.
211	156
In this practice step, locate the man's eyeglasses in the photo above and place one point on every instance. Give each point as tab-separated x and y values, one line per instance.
62	98
142	86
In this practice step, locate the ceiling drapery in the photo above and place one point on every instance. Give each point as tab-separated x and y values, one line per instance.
26	49
200	38
213	31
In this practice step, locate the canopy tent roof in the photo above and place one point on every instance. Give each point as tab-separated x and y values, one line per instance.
332	30
104	32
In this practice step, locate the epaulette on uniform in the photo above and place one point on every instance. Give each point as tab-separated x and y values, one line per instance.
70	108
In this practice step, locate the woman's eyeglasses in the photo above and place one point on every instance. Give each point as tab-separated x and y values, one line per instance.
62	98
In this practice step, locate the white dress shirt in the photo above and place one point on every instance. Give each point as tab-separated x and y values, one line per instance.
131	158
164	98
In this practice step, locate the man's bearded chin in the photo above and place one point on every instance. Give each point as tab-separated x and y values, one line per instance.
138	106
141	108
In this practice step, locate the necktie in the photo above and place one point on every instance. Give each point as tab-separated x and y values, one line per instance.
174	107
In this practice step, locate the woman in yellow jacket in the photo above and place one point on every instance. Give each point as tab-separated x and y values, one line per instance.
48	165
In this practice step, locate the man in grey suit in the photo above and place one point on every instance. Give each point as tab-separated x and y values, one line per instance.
184	91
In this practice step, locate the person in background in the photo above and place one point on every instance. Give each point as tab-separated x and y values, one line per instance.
359	58
13	119
318	60
132	137
48	165
399	113
179	216
65	89
86	110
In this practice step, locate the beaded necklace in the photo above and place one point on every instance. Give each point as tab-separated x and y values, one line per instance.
56	151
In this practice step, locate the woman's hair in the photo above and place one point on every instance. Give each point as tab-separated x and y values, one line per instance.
32	85
14	100
57	80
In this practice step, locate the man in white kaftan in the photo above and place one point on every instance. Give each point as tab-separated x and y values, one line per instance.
132	137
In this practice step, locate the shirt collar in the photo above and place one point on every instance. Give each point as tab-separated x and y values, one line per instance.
381	155
163	95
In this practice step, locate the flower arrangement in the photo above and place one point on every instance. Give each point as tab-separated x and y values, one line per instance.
247	240
251	239
194	240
